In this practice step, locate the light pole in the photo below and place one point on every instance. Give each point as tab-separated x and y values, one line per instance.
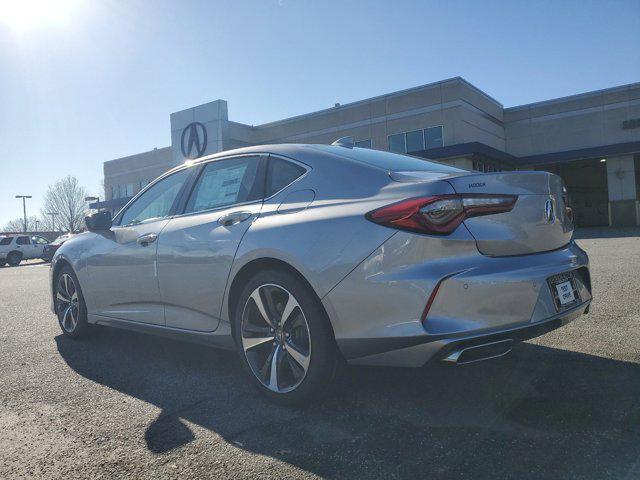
24	208
37	222
53	220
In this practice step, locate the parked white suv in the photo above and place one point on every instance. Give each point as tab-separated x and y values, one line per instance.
21	247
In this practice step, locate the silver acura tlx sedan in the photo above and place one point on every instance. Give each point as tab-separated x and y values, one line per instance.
302	256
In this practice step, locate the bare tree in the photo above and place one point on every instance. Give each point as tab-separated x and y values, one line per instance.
66	198
47	223
17	225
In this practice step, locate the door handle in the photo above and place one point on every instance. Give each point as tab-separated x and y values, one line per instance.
145	240
233	218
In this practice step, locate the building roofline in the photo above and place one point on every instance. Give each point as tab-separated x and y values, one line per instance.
127	157
576	96
241	124
379	97
600	151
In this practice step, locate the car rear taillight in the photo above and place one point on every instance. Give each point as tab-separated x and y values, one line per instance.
567	209
441	214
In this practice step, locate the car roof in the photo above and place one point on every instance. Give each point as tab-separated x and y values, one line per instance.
284	149
364	156
296	149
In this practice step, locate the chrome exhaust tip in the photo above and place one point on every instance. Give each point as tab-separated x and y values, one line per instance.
479	353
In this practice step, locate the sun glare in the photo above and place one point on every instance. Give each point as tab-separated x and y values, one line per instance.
23	15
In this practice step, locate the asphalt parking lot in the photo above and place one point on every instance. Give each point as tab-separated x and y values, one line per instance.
566	405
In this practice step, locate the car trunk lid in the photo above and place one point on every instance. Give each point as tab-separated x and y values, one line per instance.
538	221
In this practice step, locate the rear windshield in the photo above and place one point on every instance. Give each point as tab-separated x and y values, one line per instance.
5	241
397	163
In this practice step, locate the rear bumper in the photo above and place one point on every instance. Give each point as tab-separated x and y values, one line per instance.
377	310
420	350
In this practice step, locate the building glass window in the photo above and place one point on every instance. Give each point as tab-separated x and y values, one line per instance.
364	143
129	191
433	137
396	143
415	141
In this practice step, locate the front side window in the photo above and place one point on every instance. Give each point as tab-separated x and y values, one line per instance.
23	241
226	182
280	174
157	201
5	240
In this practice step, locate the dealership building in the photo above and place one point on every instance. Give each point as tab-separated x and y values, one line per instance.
592	140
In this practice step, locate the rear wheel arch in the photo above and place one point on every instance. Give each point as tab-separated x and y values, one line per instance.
60	264
249	270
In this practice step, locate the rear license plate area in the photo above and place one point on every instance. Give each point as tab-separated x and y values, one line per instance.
564	291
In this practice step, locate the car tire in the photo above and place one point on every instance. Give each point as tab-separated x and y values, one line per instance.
70	306
3	262
302	344
14	259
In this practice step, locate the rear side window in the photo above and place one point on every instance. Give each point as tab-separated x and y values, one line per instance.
39	240
280	174
5	241
226	182
23	241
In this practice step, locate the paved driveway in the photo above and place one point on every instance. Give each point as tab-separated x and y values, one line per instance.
566	405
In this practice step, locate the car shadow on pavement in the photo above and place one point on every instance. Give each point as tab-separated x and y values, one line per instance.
539	413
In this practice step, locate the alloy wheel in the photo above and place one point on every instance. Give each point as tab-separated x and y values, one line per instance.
275	338
67	305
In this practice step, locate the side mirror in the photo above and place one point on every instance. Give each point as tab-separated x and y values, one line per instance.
98	221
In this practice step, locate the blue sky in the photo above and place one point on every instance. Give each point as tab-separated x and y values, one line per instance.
96	80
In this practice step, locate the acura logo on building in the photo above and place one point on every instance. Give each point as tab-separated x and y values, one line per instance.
194	140
548	211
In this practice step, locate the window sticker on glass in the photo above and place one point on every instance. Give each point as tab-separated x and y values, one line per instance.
222	187
225	182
